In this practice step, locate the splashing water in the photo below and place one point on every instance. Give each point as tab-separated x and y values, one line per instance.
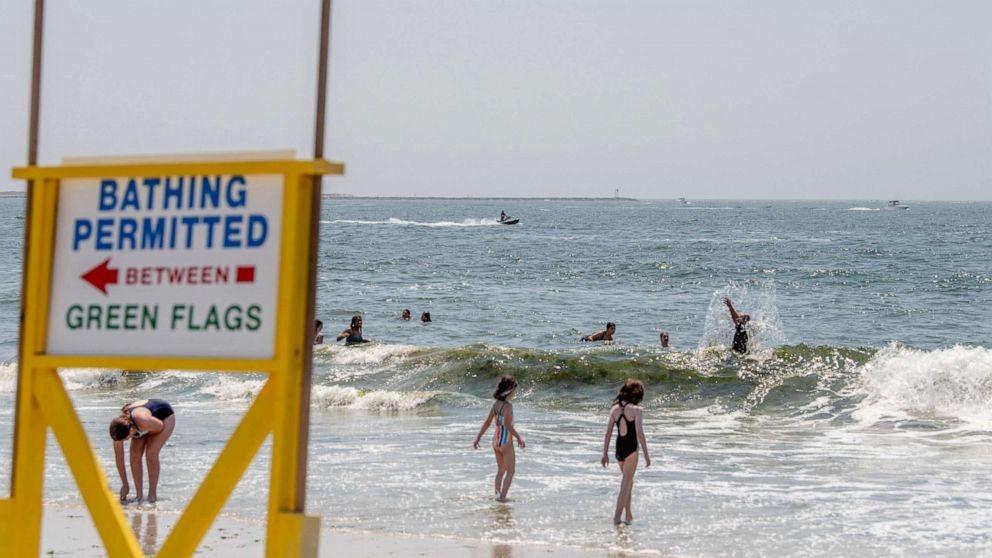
758	299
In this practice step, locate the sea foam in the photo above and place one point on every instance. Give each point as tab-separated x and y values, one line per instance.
900	383
375	400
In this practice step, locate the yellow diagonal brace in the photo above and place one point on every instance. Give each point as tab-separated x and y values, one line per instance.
222	478
118	540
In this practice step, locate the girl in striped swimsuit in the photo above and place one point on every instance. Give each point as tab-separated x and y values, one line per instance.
502	411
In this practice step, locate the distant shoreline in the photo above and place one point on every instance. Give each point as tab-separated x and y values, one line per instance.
469	198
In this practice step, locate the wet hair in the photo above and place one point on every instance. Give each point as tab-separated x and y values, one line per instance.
631	393
611	324
425	317
355	318
120	427
318	325
406	314
506	386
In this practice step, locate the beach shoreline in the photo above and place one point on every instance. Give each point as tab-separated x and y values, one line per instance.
68	531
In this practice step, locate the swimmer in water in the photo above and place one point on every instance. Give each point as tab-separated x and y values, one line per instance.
663	337
405	316
502	413
740	333
318	332
626	415
425	317
353	335
605	335
148	423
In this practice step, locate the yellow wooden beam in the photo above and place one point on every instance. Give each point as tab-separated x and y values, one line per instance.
157	363
310	167
118	539
6	527
222	478
286	434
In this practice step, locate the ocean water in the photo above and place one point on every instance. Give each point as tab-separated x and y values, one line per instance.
859	425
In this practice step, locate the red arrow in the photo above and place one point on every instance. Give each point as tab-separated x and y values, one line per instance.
101	275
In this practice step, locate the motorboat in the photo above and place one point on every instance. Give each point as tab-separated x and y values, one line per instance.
895	204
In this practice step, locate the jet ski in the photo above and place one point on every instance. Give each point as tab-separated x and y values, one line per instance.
509	221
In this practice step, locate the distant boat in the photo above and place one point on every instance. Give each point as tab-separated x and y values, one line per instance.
895	204
509	221
685	201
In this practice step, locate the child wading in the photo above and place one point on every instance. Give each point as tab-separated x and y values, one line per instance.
626	416
502	411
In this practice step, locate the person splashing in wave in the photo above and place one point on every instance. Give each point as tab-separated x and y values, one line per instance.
353	335
626	415
148	423
740	321
605	335
502	413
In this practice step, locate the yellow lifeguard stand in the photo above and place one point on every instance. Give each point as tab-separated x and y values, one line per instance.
282	406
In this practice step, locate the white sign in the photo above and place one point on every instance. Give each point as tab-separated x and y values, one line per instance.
184	266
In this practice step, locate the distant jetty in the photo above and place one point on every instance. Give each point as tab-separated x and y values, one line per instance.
472	198
13	194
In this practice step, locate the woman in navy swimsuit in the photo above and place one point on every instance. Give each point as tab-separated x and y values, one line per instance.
353	335
148	423
626	417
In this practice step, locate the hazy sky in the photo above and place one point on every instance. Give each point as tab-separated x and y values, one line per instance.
661	99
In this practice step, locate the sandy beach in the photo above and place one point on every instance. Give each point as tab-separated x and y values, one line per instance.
68	531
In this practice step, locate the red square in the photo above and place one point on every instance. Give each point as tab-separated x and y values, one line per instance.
245	274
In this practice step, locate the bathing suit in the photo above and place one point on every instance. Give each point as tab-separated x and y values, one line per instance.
159	408
626	443
502	434
353	338
740	339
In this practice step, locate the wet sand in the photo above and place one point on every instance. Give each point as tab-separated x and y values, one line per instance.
70	532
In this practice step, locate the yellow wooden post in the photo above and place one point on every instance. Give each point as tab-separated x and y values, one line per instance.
28	471
30	429
284	533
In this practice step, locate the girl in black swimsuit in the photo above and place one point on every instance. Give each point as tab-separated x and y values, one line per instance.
148	423
626	417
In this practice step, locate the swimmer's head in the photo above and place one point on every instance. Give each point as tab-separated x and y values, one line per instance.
745	318
120	428
425	317
610	326
631	393
356	321
406	314
664	338
318	326
507	385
